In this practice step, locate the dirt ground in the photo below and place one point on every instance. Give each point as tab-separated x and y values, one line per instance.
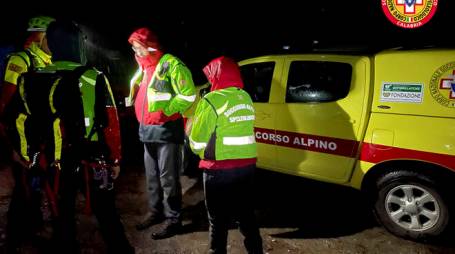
295	215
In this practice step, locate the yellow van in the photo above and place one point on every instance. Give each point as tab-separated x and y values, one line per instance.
384	124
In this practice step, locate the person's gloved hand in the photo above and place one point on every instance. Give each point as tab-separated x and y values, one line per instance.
115	171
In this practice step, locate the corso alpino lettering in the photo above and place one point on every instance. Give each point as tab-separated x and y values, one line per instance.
297	141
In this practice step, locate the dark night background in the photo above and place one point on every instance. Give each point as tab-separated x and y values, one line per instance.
198	32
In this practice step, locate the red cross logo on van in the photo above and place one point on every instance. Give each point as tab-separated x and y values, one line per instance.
448	84
409	5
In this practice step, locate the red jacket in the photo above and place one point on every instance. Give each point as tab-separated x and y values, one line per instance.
148	64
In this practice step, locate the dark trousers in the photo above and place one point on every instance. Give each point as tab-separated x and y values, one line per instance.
162	172
24	215
103	207
228	195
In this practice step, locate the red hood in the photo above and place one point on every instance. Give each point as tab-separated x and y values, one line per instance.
223	72
145	37
148	39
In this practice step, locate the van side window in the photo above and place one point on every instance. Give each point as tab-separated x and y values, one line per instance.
257	79
318	81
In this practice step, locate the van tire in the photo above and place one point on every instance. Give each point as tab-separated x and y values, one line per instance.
415	201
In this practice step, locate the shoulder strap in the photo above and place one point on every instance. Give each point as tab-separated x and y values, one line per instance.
30	64
100	120
68	83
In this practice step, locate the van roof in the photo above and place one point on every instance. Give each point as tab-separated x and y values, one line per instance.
352	50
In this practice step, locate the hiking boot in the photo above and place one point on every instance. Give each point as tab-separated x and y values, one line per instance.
149	220
169	229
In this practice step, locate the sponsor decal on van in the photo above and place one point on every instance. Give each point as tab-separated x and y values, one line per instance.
402	92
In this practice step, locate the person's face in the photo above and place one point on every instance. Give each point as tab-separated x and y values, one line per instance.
140	50
44	45
41	40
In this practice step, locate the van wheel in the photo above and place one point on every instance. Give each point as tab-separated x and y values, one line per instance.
410	205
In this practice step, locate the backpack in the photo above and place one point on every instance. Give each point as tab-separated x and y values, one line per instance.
50	96
56	125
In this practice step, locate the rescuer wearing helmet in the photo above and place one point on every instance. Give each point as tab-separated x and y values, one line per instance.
34	56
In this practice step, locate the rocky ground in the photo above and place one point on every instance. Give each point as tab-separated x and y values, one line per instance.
295	216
